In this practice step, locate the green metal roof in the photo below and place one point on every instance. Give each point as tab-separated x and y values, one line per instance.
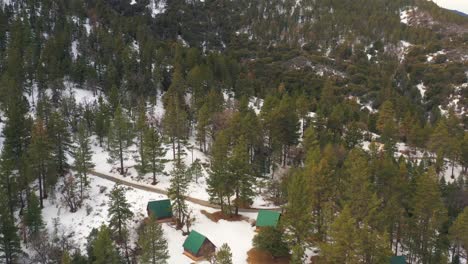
398	260
193	242
267	218
160	209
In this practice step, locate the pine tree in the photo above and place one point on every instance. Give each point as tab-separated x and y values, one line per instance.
360	198
458	233
386	123
298	217
141	127
104	250
10	247
40	157
218	186
178	191
272	240
33	216
101	122
439	143
428	215
154	152
61	141
119	137
119	215
223	255
175	122
153	244
343	240
16	133
203	120
82	154
196	170
241	175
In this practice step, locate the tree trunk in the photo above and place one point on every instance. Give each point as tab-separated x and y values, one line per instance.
121	157
154	172
173	148
40	191
237	201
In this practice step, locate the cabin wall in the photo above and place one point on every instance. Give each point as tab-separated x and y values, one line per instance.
206	249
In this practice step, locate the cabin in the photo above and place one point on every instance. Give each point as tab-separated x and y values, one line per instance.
198	247
267	218
398	260
161	210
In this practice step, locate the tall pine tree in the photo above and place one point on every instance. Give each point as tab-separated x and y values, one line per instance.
82	154
119	138
152	242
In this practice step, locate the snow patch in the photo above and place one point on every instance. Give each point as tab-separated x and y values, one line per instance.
74	49
87	26
157	7
422	89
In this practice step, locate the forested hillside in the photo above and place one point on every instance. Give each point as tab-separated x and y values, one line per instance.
347	116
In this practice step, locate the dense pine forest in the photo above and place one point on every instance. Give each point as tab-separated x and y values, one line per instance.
281	131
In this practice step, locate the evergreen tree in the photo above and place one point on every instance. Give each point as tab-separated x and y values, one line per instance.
178	191
241	175
119	137
101	122
82	154
175	122
458	233
359	197
196	170
61	141
141	127
223	255
343	242
428	216
298	214
16	134
152	242
219	187
40	157
271	239
104	250
439	143
387	126
119	215
33	216
10	247
154	152
203	120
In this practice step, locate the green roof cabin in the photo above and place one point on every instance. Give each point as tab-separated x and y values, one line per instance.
398	260
198	247
267	218
161	210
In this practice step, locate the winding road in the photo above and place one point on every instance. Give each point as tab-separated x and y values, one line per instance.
151	188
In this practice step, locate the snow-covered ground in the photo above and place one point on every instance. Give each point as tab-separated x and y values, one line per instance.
238	235
415	155
157	7
422	89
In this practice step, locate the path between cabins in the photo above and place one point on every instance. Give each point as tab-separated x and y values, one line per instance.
151	188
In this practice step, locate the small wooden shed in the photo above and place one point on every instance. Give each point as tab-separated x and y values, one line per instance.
161	210
198	247
267	218
398	260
